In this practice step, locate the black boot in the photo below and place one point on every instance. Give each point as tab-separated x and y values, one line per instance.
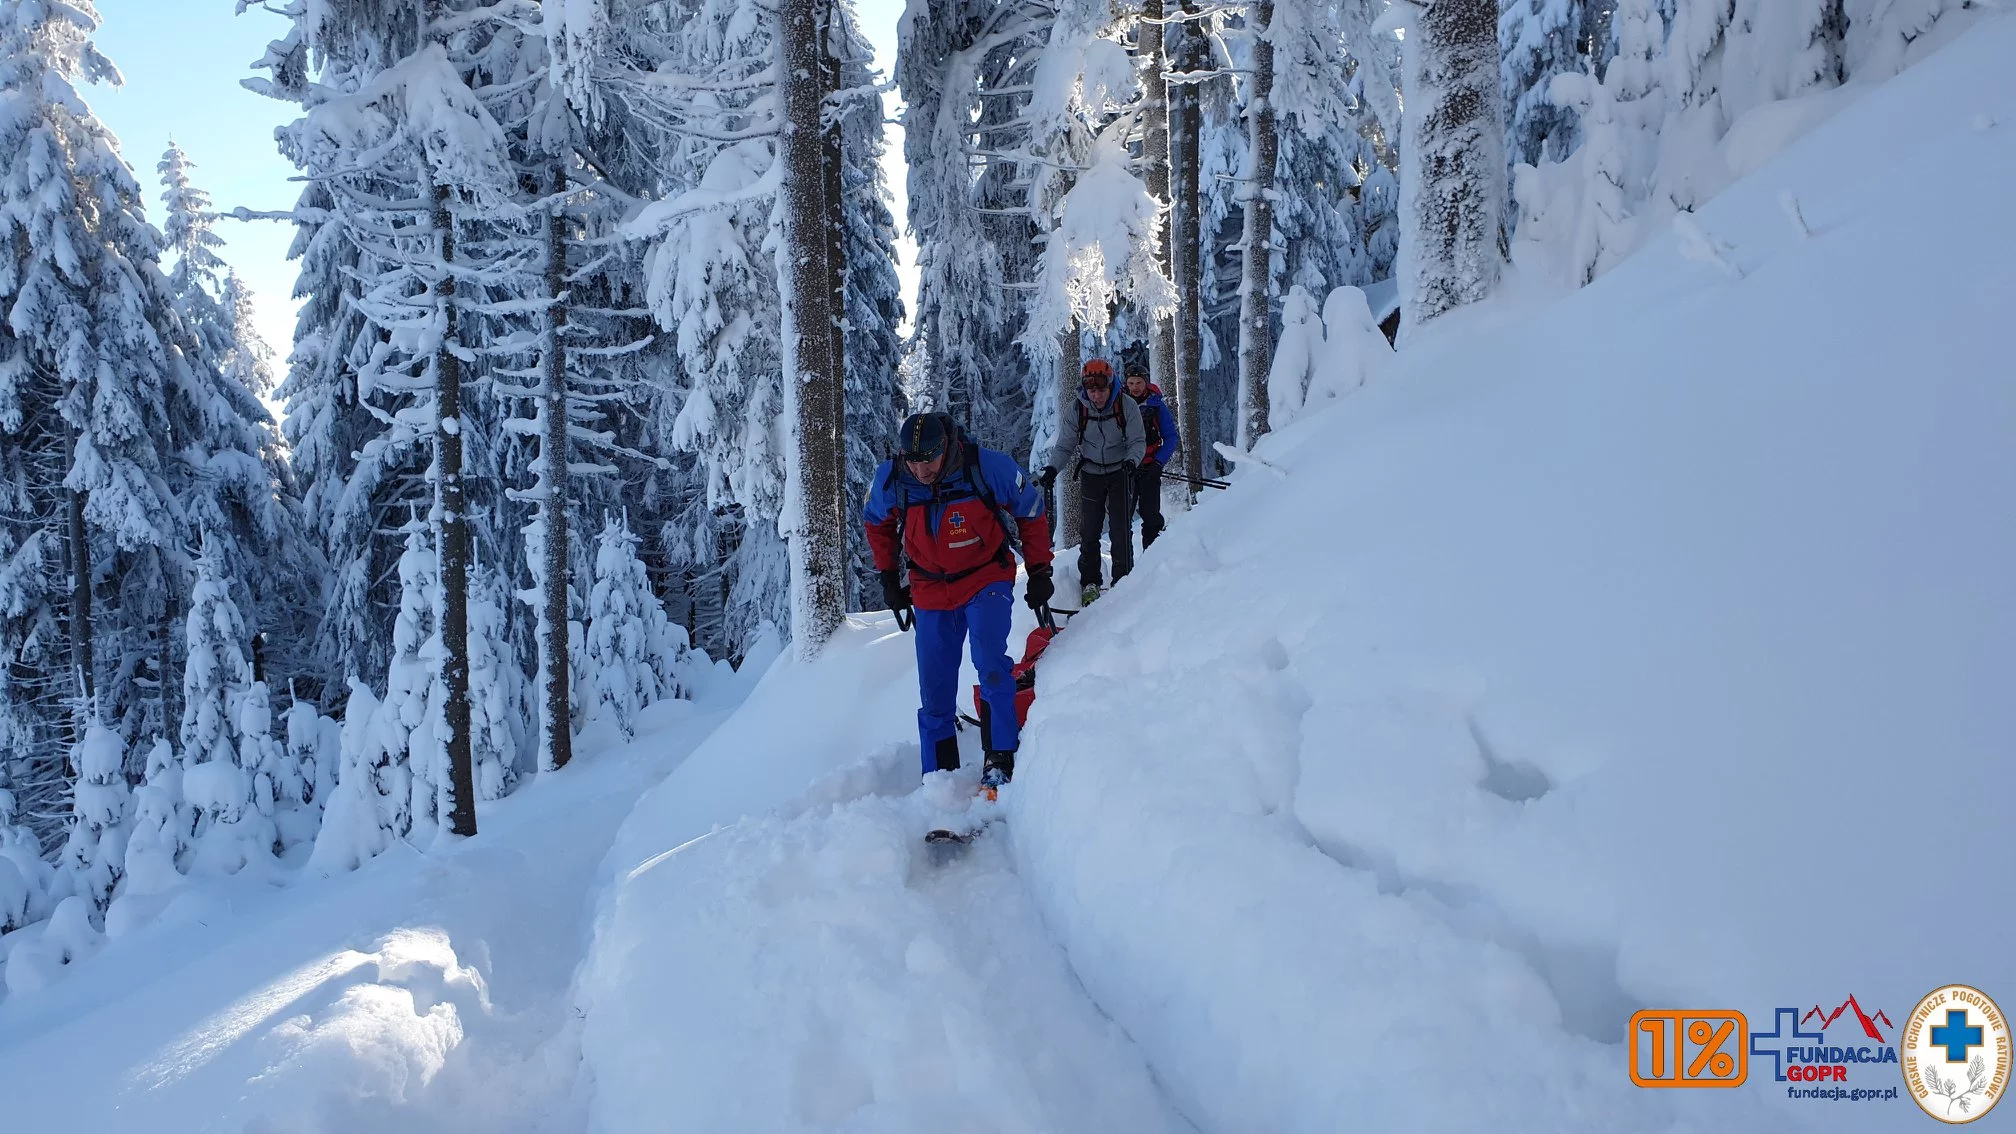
947	754
998	769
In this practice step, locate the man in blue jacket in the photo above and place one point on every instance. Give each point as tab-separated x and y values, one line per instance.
953	513
1160	425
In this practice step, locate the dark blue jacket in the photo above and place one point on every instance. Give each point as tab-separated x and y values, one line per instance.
1155	409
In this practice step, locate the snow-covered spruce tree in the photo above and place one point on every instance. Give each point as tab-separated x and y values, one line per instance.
94	856
1537	40
497	694
415	693
90	355
368	809
358	425
228	469
1885	36
162	824
420	115
624	622
250	362
1780	49
968	72
314	749
711	284
197	278
280	787
753	409
1103	249
1580	217
219	776
26	881
1452	176
874	295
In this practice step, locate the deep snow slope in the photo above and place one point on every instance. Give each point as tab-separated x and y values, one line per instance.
427	991
1652	647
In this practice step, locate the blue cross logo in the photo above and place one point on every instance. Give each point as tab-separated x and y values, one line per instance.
1956	1035
1784	1028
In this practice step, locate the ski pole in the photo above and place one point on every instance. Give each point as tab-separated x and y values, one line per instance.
1202	482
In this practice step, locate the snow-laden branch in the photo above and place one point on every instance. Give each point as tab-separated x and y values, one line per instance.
1104	249
658	218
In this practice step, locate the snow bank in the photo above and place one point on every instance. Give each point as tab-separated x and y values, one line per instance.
1647	650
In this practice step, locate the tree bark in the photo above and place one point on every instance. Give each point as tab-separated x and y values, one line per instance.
80	601
818	543
451	509
1452	163
1155	175
1189	270
1065	492
557	720
1256	340
832	158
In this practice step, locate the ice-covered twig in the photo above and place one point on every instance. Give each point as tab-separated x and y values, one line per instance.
1241	457
1790	203
1697	243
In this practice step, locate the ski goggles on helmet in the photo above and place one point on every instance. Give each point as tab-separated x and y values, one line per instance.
1098	375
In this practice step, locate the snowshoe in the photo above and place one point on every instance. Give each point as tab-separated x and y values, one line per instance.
986	794
991	782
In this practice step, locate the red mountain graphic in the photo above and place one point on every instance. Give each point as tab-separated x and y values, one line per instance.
1868	1024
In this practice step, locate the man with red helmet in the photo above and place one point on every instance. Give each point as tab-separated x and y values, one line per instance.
1102	431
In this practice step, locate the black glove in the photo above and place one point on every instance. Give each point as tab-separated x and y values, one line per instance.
1130	466
893	591
1041	587
1152	465
1049	478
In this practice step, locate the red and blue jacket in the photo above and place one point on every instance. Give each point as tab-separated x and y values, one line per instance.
1160	425
953	535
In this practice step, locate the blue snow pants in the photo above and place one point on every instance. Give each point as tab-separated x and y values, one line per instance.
983	621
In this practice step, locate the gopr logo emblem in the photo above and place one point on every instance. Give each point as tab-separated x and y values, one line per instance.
1956	1053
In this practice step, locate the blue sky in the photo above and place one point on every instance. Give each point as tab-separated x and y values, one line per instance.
183	59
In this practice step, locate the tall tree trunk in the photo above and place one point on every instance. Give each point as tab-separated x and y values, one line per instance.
557	717
1189	269
832	157
80	601
1155	175
1256	340
452	509
1452	162
818	539
1065	494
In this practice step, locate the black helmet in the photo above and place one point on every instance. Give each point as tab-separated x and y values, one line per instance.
1136	368
923	437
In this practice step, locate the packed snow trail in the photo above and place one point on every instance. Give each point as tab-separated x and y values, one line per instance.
815	965
423	992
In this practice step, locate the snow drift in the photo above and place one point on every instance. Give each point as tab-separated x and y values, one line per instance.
1650	648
